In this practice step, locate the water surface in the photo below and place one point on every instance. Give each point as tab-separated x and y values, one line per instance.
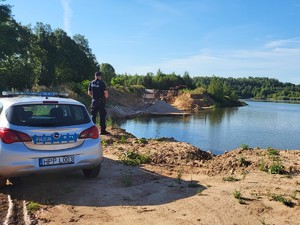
260	124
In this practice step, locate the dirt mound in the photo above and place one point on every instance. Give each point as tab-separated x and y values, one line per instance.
169	152
241	161
181	185
125	104
193	102
163	151
158	107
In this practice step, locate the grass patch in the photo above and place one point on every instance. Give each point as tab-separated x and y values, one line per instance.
123	140
276	167
238	195
133	158
272	152
230	179
111	123
244	147
33	207
142	141
262	166
280	198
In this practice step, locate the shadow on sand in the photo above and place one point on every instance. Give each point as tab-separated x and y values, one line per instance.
117	185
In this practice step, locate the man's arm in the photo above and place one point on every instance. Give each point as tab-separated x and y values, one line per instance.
106	94
90	90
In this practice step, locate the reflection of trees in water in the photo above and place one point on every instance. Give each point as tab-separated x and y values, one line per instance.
216	116
213	116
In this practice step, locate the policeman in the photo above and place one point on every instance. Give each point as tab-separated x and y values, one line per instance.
97	90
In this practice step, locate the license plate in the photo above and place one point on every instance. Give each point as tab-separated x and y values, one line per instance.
52	161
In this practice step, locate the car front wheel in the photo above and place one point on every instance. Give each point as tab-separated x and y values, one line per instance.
92	173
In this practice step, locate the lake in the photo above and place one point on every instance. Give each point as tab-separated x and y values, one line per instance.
260	124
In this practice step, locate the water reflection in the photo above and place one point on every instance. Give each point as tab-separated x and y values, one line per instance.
260	124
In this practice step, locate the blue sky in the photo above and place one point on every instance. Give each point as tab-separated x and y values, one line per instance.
226	38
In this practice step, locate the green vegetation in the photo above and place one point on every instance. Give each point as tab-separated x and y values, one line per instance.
123	139
230	179
238	196
262	165
280	198
133	158
39	57
276	167
272	152
244	147
33	207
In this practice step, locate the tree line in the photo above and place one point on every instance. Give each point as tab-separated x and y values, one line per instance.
40	56
250	87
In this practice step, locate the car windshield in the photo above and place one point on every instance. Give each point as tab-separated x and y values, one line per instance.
47	115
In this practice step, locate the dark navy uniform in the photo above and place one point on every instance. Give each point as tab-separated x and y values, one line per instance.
97	88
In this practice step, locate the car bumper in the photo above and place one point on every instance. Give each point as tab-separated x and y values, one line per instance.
22	161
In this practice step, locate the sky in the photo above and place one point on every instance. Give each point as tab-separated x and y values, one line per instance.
225	38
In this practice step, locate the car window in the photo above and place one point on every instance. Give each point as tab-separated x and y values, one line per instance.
47	115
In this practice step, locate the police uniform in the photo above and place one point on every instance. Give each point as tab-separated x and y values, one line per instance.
97	88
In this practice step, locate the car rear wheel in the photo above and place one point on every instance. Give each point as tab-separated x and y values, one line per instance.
92	173
3	181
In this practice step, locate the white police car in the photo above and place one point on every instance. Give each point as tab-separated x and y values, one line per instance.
45	132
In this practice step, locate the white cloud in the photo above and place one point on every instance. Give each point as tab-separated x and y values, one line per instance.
283	43
279	60
66	4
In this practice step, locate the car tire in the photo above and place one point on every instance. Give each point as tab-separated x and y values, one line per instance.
3	181
92	173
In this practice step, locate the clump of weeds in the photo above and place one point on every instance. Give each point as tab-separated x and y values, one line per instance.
230	179
244	147
133	158
282	199
33	207
276	167
238	195
272	152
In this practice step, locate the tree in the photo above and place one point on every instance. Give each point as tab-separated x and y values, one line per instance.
215	88
8	32
187	80
91	63
15	53
108	72
45	54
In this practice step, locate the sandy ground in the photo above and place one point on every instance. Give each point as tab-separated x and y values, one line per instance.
181	185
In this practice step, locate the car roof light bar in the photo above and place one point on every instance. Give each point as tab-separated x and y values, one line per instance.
42	94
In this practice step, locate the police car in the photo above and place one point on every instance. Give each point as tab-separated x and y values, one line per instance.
43	132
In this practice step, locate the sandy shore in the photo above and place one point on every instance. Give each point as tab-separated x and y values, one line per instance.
181	185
